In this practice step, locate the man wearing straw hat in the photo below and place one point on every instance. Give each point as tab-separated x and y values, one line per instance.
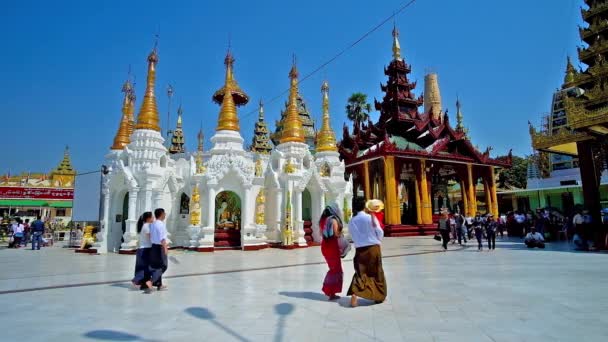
375	207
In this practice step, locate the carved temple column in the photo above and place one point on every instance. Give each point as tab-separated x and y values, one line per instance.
391	213
130	234
366	180
210	207
590	178
463	195
297	219
425	198
418	202
493	192
486	189
472	192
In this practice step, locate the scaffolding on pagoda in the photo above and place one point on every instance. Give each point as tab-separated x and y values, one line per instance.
408	158
585	134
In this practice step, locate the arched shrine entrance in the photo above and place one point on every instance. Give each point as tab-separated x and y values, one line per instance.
227	220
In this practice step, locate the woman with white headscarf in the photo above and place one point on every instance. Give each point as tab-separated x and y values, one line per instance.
330	225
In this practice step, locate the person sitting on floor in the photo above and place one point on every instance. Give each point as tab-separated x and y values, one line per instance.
534	239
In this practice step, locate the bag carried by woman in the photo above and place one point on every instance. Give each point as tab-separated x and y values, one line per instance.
328	232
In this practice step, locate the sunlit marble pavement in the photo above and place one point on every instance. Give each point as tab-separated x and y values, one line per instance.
512	294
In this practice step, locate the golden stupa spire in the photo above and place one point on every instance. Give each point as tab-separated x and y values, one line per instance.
570	71
228	119
148	114
396	45
123	134
326	138
293	131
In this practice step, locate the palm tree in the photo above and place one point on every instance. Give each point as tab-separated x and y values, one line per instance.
357	108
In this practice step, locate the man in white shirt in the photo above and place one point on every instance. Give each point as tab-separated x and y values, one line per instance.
534	239
368	281
159	249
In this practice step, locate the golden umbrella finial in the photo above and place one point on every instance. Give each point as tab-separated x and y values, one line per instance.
123	134
396	45
293	131
148	114
326	138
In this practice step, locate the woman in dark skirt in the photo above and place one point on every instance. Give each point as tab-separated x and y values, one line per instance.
368	281
142	259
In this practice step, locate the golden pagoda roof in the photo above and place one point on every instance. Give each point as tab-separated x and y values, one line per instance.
148	114
326	138
292	129
228	118
261	139
65	166
123	134
239	97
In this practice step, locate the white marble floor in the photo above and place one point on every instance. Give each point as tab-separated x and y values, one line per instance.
512	294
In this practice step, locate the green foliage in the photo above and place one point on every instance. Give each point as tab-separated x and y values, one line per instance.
516	176
357	108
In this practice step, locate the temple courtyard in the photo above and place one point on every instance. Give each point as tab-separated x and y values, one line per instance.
512	294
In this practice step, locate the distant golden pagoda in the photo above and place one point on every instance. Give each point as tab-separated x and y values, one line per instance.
261	139
63	175
326	138
148	114
228	119
177	139
125	127
292	129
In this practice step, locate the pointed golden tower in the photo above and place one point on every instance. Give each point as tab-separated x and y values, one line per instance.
177	140
326	138
293	131
228	119
63	175
148	114
200	168
570	71
131	111
396	45
123	134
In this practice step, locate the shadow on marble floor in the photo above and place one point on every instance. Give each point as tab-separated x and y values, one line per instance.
283	310
205	314
305	295
113	335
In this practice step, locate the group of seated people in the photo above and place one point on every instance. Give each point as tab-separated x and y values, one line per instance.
534	239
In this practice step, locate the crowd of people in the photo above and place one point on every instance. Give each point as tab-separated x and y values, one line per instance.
457	227
22	232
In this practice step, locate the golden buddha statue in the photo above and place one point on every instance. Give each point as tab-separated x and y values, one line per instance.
195	213
259	207
258	168
225	219
289	167
325	170
88	238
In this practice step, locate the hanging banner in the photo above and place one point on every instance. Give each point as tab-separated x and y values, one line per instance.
14	192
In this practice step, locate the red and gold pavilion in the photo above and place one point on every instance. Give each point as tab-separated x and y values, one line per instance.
409	159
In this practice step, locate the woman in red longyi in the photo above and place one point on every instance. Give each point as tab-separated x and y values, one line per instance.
330	225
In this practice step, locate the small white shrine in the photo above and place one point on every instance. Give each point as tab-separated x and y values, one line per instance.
227	197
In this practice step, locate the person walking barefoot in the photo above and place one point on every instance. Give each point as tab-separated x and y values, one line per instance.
368	281
331	228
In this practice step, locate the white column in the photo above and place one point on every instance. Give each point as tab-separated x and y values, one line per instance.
157	197
133	204
317	211
299	224
101	243
211	208
130	234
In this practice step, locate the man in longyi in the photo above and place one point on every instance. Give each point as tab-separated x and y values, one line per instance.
368	281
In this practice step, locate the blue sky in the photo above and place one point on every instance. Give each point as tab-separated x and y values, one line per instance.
63	63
